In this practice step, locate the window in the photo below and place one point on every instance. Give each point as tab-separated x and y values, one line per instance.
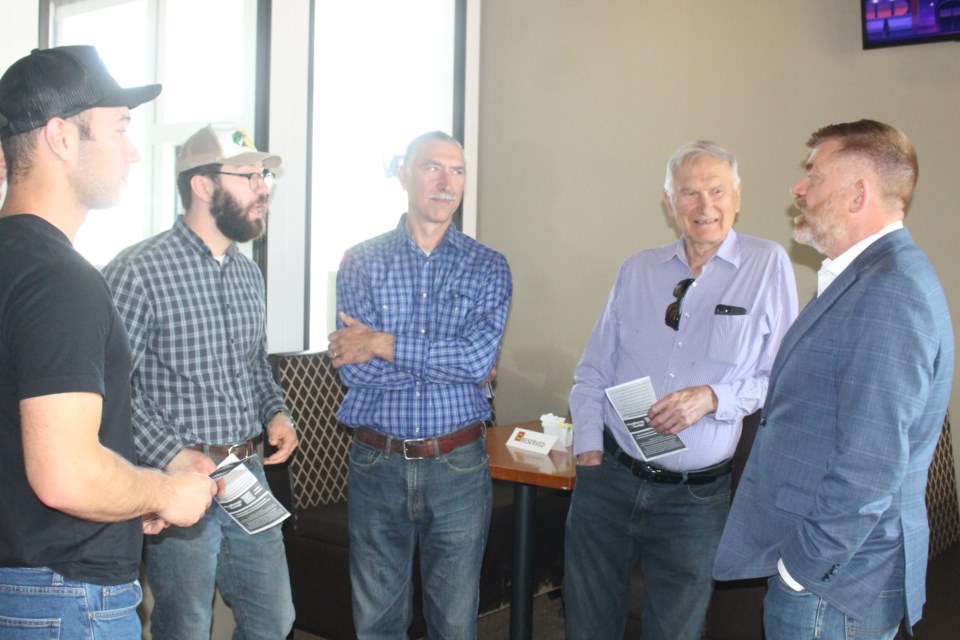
383	72
204	53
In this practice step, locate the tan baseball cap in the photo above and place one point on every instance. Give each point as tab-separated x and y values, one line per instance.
222	143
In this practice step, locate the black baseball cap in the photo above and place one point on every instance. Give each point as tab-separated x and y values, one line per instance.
59	83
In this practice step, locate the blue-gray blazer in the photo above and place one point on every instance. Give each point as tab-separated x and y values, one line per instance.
836	479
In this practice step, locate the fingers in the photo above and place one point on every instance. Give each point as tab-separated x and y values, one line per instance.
190	460
153	524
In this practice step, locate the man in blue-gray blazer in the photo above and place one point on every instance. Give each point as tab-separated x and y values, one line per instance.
831	503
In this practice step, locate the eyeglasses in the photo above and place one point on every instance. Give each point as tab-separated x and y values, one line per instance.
673	309
255	179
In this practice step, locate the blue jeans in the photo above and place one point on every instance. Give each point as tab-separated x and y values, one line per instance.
617	520
184	565
441	505
40	603
793	615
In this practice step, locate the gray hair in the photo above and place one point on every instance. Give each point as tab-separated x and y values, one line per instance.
697	149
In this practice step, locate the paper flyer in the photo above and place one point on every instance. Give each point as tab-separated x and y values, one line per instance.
631	400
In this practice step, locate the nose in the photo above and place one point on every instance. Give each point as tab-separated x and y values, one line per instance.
799	189
132	154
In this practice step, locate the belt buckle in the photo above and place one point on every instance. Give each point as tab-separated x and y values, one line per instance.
407	456
232	449
650	470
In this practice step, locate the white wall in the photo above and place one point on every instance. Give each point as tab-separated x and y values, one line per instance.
582	103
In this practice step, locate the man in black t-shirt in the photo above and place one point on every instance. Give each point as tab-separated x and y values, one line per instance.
72	503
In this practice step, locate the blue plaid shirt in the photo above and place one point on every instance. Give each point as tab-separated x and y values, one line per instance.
446	312
197	332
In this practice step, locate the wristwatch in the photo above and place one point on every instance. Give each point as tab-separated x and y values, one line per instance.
284	412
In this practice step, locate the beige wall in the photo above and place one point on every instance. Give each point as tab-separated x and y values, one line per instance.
582	103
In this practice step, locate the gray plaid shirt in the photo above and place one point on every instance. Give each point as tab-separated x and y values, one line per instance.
197	332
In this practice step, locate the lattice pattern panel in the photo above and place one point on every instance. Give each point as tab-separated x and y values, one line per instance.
312	389
942	510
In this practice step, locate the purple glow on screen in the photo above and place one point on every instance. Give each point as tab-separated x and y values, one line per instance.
891	22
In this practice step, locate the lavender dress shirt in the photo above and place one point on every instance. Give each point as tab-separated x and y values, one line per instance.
733	354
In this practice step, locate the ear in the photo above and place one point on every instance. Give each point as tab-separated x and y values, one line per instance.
861	196
62	139
737	197
403	176
667	202
202	187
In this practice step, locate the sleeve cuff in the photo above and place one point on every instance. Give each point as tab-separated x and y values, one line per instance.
787	578
726	405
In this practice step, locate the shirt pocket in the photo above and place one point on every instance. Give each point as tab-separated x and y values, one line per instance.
728	338
454	305
795	501
396	313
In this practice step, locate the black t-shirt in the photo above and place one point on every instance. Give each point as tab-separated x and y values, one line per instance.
59	333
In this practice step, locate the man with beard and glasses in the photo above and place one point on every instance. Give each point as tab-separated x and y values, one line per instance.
702	317
831	503
202	387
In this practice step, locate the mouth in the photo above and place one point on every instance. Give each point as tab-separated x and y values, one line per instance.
706	221
443	197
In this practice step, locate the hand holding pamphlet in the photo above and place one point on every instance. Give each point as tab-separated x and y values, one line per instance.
245	500
631	400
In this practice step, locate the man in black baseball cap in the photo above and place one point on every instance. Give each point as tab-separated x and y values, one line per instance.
59	83
73	500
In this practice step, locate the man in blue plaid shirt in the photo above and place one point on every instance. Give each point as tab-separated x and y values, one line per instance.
194	309
421	313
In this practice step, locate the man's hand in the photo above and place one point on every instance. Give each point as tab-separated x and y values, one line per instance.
589	458
153	524
678	410
190	460
188	495
282	435
357	343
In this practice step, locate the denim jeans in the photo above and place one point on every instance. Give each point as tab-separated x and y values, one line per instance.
185	564
40	603
441	505
617	520
801	615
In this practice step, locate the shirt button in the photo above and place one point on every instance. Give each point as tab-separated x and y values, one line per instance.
673	375
423	330
679	343
423	295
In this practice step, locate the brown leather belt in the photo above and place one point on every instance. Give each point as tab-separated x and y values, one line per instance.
420	448
218	452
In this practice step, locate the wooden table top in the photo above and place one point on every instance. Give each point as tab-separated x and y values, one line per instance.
554	470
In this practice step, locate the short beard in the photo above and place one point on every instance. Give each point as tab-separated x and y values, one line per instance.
233	221
818	227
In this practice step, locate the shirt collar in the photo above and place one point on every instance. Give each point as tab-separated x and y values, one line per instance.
728	251
452	238
196	243
831	269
